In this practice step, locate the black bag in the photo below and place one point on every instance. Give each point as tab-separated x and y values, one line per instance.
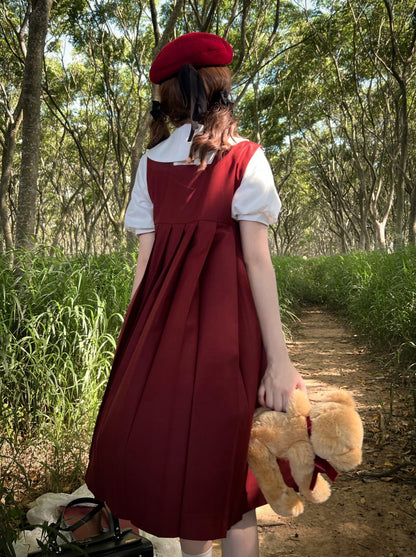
115	542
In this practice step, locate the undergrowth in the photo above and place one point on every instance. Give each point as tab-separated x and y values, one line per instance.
374	291
59	320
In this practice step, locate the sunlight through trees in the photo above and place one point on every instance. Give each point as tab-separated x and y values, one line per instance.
327	88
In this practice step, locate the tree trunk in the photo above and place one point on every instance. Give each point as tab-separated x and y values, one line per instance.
401	167
137	148
31	92
412	217
274	229
6	172
380	234
364	240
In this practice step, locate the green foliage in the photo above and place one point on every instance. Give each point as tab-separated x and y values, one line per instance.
375	291
13	479
288	270
59	321
60	318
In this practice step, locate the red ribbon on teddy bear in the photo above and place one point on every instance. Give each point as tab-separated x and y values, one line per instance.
322	466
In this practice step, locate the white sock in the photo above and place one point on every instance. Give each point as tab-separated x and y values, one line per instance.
207	553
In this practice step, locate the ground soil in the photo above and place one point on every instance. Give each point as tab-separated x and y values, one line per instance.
372	511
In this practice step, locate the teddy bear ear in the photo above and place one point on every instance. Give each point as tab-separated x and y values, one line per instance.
343	397
298	404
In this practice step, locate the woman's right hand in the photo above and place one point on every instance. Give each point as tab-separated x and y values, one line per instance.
278	383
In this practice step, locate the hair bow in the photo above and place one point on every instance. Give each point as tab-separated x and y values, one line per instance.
221	97
156	111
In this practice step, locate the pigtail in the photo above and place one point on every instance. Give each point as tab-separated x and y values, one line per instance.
219	127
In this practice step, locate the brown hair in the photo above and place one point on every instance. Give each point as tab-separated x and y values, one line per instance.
219	124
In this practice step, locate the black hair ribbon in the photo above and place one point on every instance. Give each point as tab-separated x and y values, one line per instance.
221	97
193	93
156	111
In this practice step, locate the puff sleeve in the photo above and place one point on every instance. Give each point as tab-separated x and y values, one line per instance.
139	213
256	198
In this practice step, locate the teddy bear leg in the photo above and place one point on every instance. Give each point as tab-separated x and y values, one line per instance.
283	500
320	492
301	457
290	504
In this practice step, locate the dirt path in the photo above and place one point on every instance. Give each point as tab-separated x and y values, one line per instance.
365	515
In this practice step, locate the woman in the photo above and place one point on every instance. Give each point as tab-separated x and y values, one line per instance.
202	341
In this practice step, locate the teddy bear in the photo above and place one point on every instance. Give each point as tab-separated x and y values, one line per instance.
289	451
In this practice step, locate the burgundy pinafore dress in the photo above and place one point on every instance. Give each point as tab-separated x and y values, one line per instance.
169	450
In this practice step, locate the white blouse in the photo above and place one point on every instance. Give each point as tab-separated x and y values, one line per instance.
256	198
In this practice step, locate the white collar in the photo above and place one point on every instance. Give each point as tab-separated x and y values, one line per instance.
176	147
173	149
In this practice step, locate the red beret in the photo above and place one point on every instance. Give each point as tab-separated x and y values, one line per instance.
197	49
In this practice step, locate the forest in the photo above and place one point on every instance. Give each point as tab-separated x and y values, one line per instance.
327	88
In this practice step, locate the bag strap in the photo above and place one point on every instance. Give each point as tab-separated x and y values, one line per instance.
114	524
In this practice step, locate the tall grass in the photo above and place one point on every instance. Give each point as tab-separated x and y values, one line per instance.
375	291
59	320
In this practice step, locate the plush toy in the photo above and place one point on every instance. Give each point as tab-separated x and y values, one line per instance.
289	451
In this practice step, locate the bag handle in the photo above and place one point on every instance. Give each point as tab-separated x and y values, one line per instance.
99	505
51	544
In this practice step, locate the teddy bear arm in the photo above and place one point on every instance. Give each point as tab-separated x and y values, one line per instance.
264	466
